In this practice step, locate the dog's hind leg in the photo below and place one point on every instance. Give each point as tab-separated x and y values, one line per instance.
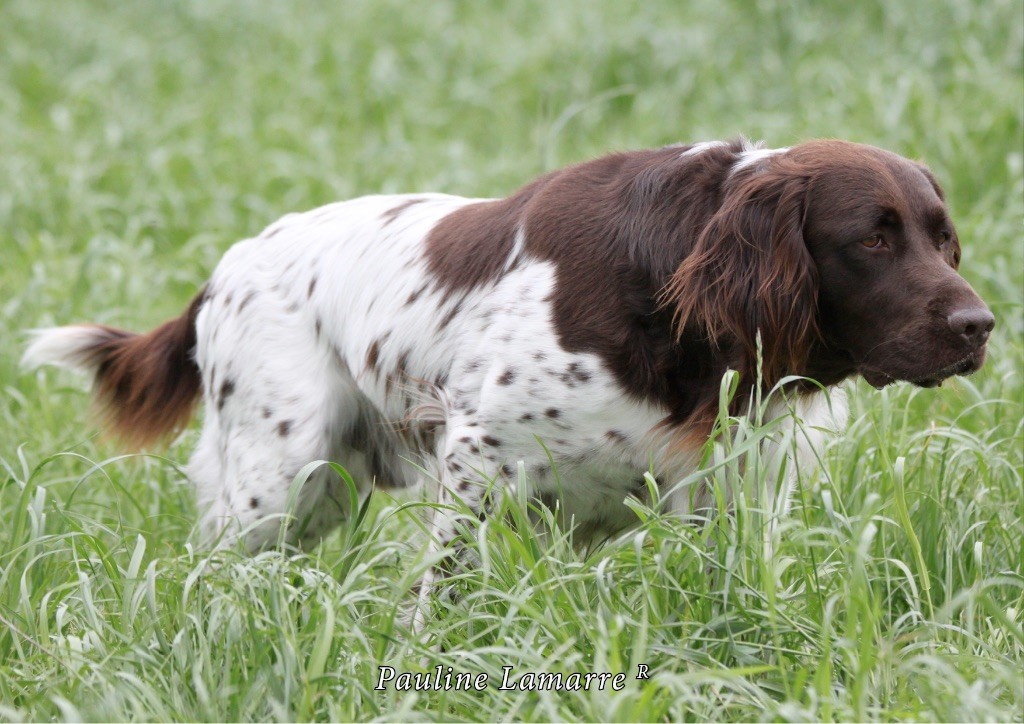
276	400
247	488
245	476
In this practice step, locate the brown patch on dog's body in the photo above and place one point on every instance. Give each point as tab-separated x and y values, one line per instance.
469	247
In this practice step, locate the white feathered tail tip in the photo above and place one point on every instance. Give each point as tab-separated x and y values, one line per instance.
71	347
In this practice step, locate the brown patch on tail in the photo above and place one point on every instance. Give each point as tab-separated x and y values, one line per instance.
146	385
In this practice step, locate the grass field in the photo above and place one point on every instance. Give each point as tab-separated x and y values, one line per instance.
139	140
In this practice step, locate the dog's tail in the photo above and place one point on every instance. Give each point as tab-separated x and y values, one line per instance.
145	386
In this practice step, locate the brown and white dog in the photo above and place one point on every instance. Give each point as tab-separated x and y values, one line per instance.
594	310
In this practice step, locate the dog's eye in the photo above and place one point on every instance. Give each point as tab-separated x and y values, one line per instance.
944	238
875	241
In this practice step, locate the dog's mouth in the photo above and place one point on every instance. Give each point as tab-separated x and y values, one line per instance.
964	366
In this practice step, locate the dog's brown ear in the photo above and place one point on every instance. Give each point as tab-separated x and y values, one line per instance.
750	272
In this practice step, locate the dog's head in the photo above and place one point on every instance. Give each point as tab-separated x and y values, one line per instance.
844	258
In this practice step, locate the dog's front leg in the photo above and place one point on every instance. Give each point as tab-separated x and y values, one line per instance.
470	484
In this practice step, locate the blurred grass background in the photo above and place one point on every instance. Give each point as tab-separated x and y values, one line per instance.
139	140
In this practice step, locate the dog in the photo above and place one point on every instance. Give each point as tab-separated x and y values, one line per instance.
585	322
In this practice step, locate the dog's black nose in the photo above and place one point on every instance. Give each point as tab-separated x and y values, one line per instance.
973	324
